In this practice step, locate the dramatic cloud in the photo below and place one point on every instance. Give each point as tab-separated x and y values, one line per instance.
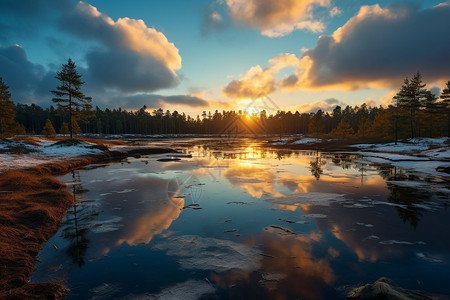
276	18
377	48
119	59
26	18
258	81
324	105
130	57
24	78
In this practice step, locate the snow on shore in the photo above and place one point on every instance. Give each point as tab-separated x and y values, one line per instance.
16	154
419	155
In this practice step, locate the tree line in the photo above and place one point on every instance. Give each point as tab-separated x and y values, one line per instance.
414	112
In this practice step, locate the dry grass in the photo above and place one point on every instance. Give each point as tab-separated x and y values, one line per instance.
31	208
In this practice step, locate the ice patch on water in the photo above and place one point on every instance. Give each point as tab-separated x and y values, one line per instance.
188	290
390	204
395	242
103	291
365	225
358	205
200	253
124	191
427	258
411	184
320	199
371	237
107	225
317	216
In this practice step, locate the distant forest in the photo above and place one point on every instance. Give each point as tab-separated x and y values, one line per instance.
359	121
415	112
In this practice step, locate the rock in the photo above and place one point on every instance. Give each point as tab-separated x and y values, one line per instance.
386	289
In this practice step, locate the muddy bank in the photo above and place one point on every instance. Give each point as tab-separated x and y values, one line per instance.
32	205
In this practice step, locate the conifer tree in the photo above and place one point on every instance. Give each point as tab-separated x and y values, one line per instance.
48	130
76	127
411	96
363	126
445	96
344	130
7	113
431	109
316	125
68	95
64	128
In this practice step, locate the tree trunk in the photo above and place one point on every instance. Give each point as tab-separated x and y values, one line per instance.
70	116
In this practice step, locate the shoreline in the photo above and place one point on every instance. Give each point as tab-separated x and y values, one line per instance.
33	203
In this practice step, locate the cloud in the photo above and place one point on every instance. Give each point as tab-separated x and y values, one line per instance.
122	57
313	107
24	78
130	57
377	48
258	81
213	19
26	18
275	18
335	11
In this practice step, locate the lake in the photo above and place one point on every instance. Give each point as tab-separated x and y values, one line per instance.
245	221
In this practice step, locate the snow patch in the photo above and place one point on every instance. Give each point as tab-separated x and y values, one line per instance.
188	290
200	253
320	199
44	152
306	141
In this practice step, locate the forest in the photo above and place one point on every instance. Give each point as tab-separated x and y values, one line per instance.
414	112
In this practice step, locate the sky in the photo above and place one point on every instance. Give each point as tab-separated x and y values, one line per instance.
203	55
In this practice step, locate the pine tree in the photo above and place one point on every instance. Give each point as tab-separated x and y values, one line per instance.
7	113
76	127
64	128
344	130
317	125
48	130
20	129
380	125
411	97
445	96
69	97
432	108
363	126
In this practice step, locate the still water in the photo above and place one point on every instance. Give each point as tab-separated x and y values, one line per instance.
248	222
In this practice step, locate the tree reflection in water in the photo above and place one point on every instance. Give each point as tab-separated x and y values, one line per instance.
316	166
76	225
409	199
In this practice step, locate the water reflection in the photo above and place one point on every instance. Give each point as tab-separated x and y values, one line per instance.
256	181
255	222
316	166
289	269
77	221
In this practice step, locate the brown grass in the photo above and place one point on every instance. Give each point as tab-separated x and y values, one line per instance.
31	208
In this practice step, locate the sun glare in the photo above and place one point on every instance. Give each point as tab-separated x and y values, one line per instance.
249	110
